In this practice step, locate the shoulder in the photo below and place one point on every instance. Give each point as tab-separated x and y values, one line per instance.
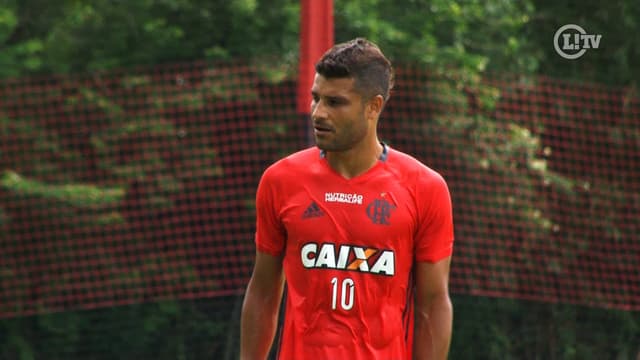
429	188
413	170
290	166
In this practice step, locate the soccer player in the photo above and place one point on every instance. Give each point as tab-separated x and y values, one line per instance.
361	233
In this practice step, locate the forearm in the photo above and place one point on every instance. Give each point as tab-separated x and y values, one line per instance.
258	326
433	326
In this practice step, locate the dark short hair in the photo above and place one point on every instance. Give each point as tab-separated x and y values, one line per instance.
361	60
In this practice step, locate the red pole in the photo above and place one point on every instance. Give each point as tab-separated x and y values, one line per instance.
316	37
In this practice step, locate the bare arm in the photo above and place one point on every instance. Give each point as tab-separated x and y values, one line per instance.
434	312
260	307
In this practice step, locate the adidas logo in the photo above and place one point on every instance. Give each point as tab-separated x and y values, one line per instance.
312	211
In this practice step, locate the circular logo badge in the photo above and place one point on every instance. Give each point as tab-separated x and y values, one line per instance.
559	49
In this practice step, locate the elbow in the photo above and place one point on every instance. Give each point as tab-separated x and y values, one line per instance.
443	304
437	303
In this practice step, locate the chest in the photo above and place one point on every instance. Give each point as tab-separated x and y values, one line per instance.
379	214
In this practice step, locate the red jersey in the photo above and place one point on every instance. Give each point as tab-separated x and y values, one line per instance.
349	247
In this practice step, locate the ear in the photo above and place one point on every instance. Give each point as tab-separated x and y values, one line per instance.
374	107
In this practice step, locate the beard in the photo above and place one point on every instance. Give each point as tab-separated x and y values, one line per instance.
343	138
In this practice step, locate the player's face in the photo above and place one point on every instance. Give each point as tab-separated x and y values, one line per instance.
338	114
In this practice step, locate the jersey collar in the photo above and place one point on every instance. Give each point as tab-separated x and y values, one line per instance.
383	156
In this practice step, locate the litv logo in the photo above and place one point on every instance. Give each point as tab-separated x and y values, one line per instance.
572	41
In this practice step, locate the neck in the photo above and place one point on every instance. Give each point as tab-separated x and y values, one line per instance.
357	160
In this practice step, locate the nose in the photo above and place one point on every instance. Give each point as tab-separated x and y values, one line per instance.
318	110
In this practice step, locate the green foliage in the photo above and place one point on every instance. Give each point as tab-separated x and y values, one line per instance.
443	34
484	328
615	62
19	57
79	195
66	36
163	330
71	36
488	328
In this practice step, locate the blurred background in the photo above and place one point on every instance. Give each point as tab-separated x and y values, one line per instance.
133	135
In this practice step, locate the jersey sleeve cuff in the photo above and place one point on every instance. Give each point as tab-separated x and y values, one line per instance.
435	257
268	250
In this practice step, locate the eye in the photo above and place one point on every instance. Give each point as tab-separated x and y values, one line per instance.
334	101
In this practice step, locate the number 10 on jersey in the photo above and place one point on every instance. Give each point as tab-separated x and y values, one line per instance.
345	291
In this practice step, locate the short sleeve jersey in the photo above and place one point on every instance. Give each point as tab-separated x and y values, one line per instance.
348	247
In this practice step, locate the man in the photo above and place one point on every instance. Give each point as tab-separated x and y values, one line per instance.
361	233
